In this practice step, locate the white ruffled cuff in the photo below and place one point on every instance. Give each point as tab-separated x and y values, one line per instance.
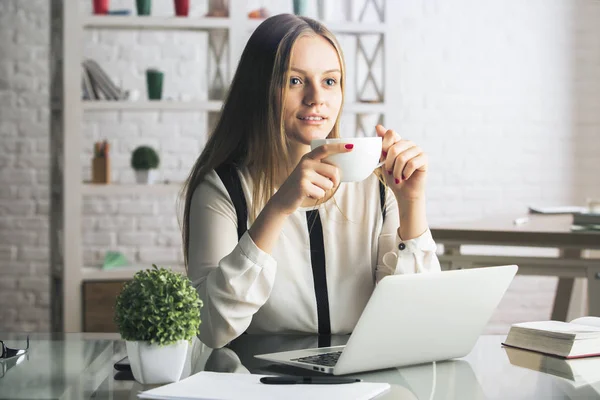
408	256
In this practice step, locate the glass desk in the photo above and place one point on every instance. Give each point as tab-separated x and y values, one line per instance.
80	366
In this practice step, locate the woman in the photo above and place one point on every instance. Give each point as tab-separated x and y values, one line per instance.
314	249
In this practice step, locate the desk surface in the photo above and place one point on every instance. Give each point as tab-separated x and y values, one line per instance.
80	366
542	230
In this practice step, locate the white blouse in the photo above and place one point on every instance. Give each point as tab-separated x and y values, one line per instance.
246	289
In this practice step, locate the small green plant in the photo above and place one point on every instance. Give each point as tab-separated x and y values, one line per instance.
158	306
144	158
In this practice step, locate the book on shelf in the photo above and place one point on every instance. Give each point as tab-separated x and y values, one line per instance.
88	90
97	85
579	371
575	339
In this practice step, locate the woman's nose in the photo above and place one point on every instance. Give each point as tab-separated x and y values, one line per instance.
314	96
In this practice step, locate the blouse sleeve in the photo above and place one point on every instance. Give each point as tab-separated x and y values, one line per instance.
233	279
396	256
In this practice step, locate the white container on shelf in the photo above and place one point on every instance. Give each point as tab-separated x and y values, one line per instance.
145	176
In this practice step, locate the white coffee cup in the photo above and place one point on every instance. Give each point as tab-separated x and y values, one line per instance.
357	164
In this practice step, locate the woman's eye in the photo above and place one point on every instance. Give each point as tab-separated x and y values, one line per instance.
295	81
330	81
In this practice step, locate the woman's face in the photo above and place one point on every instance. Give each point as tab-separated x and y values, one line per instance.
314	94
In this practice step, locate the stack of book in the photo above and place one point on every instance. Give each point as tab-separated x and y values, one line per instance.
586	221
562	339
569	350
96	84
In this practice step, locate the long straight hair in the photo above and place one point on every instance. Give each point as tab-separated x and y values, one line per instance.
250	130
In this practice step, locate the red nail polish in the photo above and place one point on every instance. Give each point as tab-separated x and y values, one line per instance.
389	172
349	146
397	181
384	153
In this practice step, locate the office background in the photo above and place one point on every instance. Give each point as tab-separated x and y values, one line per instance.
503	95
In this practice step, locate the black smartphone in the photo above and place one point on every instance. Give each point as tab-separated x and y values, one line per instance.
123	365
123	370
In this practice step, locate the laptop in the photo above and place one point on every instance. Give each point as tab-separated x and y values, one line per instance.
412	319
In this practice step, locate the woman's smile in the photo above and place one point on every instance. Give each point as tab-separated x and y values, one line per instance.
312	119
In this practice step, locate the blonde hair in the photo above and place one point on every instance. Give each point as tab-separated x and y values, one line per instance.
250	130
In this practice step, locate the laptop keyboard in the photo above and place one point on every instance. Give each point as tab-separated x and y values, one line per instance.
324	359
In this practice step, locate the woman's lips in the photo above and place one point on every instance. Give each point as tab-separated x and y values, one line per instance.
312	119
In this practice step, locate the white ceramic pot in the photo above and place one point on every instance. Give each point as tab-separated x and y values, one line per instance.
145	176
154	364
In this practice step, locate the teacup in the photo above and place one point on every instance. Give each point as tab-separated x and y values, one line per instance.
355	165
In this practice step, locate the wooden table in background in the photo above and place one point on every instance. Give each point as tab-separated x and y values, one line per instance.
549	231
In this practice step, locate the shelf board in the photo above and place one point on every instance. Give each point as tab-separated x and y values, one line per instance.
206	23
112	189
365	107
195	105
90	274
209	105
356	27
339	27
137	22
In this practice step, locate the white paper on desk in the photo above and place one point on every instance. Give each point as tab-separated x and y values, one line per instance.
217	386
557	210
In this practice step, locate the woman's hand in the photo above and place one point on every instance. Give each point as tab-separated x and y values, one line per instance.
311	178
405	166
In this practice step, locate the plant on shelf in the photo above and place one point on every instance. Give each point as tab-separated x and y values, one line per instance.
145	160
157	314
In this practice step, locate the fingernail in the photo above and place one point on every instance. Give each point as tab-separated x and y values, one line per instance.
389	172
397	181
349	146
384	153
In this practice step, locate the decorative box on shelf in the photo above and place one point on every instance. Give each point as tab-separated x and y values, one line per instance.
101	163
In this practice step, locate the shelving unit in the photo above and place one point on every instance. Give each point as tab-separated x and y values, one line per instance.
68	272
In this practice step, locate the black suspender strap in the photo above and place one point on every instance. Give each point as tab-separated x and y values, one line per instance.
317	258
230	178
382	189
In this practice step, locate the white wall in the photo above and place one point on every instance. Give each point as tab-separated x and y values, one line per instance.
502	94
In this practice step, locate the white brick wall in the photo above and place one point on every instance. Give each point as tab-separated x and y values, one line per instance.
502	94
24	159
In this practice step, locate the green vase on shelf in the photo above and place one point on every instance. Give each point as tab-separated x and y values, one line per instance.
143	7
154	83
300	7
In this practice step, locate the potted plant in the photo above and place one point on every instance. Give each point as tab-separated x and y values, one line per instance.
144	160
157	314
